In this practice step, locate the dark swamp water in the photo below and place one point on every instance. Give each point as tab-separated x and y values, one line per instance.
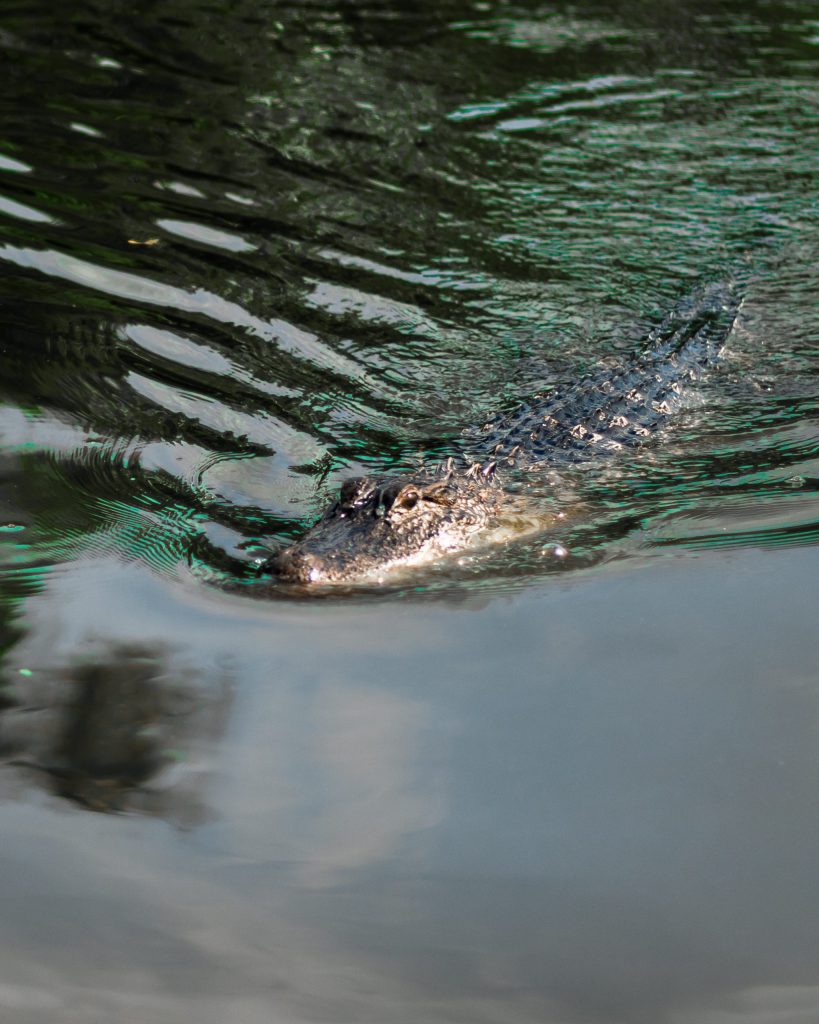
248	249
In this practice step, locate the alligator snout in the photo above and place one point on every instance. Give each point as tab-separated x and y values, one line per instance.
295	566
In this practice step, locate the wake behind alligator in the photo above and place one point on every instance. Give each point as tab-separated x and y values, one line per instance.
380	524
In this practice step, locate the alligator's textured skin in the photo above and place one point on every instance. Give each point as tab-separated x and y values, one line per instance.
622	406
379	524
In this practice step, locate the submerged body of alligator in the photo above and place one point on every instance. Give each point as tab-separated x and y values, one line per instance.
382	523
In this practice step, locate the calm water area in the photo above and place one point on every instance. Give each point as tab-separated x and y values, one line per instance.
248	249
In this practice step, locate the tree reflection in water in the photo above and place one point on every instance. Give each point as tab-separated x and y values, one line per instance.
119	730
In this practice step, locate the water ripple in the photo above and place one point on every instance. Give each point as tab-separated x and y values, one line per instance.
241	265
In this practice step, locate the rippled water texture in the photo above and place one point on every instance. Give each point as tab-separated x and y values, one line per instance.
248	249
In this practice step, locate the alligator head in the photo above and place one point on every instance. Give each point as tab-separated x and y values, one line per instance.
377	525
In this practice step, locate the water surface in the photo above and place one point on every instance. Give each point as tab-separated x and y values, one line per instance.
249	249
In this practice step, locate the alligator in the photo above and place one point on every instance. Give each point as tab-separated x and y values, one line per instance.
381	523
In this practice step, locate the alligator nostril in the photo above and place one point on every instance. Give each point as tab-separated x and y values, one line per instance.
297	566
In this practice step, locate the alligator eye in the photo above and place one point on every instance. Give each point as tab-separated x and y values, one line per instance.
356	493
349	490
407	498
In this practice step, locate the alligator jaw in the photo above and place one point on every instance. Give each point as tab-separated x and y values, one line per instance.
296	565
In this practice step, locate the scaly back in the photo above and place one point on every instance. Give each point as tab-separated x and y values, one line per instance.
620	407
